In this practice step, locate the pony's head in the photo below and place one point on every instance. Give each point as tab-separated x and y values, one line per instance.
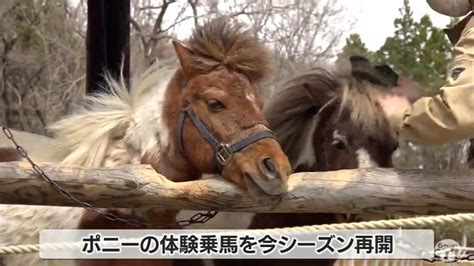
213	109
330	122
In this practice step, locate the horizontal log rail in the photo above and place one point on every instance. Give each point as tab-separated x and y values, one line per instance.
363	191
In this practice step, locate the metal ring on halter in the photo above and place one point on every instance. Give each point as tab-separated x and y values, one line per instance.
224	154
223	151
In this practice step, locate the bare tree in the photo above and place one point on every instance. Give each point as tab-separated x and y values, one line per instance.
153	27
41	62
42	44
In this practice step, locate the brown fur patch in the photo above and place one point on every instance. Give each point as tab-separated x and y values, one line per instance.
225	42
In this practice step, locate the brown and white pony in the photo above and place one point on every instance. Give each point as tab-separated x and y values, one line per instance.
324	121
179	121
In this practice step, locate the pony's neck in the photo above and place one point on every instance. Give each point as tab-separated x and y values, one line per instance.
158	118
175	167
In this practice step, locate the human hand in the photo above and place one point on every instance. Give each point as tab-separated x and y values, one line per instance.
408	88
392	105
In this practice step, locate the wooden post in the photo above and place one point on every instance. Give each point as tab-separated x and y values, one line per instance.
358	191
108	41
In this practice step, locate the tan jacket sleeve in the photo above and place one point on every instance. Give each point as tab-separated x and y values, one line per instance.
448	116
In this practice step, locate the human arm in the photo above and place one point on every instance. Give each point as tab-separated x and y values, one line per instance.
443	118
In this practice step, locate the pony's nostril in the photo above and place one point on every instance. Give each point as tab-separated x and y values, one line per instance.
268	167
272	186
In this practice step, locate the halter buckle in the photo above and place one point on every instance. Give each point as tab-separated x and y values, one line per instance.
224	154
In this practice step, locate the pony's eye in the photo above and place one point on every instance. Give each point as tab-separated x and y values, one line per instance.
339	144
215	105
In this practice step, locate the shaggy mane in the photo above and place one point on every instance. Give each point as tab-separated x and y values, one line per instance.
225	42
359	98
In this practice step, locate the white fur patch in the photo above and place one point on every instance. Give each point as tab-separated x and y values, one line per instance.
364	159
251	97
148	128
307	157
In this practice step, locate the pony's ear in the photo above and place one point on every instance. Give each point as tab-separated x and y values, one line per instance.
191	63
185	56
381	74
390	77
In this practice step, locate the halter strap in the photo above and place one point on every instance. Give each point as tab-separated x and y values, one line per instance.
252	138
224	151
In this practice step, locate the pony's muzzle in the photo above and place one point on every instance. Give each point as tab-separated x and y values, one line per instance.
270	180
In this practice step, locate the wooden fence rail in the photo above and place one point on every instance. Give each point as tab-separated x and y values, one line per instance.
389	191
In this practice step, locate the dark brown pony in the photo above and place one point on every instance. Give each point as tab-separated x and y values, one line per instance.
183	126
324	121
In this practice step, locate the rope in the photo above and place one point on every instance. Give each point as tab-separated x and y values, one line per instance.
34	248
416	222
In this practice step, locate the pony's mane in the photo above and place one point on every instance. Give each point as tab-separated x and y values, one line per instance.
358	96
225	42
96	128
290	110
